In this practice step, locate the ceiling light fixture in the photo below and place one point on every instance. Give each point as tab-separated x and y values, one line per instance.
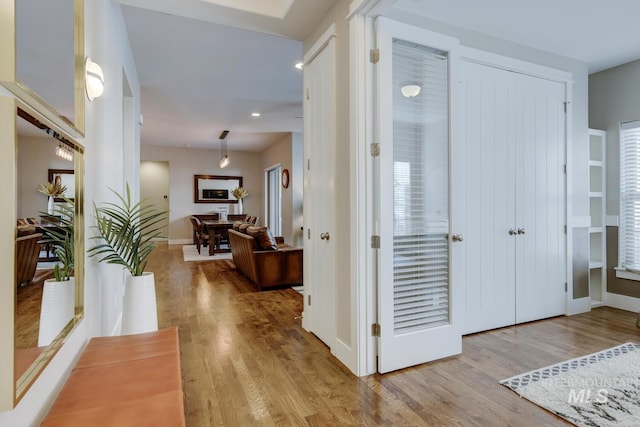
63	151
94	79
299	65
410	91
224	156
256	114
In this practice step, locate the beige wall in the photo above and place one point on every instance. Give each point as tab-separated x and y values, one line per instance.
614	97
337	14
288	154
36	155
184	163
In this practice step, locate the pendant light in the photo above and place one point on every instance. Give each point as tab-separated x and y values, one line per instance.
224	156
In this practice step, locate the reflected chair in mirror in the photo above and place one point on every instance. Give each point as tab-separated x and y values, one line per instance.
27	253
201	238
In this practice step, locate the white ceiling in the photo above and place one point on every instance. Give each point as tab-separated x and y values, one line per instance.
601	33
199	76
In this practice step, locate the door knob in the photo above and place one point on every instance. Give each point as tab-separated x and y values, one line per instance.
324	236
457	237
520	230
512	231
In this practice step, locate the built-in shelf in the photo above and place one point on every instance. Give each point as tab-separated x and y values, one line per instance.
597	207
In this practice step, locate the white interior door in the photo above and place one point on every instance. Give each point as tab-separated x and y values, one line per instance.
540	198
416	294
488	166
319	204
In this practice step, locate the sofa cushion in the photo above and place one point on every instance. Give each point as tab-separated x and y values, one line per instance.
263	237
243	227
237	224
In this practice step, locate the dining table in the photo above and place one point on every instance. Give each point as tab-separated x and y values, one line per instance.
220	227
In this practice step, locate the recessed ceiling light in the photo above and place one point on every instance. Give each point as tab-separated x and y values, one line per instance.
256	114
299	65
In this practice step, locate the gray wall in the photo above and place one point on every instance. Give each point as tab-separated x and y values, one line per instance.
614	97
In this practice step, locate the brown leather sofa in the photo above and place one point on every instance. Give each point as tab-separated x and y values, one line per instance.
266	268
27	252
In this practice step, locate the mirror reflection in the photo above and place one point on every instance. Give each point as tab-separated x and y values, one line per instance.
215	188
45	57
45	287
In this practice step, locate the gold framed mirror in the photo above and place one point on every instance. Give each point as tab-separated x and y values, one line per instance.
40	324
31	87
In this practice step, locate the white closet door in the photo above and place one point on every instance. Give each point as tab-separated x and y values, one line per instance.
488	120
540	198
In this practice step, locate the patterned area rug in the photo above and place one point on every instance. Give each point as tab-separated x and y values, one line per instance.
190	253
598	390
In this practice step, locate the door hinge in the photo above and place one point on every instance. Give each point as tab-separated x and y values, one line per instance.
566	286
375	242
565	169
375	149
308	164
307	94
374	56
565	107
308	233
375	329
308	299
565	229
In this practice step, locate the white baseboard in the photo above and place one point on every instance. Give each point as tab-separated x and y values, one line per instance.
577	306
180	241
622	302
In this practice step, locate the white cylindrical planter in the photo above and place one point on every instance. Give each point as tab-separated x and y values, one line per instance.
139	311
56	310
50	208
240	209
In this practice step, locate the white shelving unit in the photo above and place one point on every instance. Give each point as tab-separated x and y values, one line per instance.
597	212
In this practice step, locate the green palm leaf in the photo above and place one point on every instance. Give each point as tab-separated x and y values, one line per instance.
126	232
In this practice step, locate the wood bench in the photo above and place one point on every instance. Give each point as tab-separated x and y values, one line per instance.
131	380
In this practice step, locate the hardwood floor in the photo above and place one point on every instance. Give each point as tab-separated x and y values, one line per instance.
247	361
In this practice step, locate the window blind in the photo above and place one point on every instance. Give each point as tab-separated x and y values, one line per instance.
629	241
420	189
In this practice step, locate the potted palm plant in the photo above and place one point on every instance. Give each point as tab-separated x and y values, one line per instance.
126	234
57	307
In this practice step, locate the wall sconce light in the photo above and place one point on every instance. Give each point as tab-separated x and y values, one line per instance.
224	156
410	91
94	79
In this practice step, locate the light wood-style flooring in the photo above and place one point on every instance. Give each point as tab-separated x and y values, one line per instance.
246	360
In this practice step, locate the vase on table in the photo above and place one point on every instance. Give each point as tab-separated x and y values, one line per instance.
50	205
240	206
